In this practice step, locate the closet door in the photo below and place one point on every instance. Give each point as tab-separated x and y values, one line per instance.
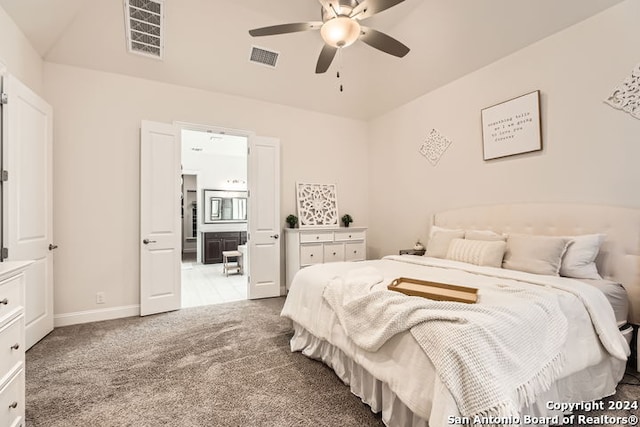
27	199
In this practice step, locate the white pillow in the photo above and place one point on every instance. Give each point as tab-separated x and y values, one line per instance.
439	241
535	254
579	260
478	252
487	235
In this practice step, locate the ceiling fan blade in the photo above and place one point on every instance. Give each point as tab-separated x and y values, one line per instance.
370	7
285	28
326	57
383	42
326	4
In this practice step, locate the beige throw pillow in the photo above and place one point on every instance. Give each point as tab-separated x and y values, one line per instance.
535	254
478	252
439	241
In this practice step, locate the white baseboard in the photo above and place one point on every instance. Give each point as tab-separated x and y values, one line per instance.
66	319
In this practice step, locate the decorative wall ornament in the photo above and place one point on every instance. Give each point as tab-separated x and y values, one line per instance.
512	127
317	205
434	146
626	97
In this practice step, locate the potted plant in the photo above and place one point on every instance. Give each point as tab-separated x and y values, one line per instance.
292	220
346	219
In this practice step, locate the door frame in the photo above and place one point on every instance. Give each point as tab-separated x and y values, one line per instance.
3	189
180	125
197	175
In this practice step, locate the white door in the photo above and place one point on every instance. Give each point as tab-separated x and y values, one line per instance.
159	218
263	176
27	197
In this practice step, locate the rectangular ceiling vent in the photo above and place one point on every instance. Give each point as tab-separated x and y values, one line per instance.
145	27
264	56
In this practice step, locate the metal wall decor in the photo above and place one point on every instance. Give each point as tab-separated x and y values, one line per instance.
317	205
434	146
626	97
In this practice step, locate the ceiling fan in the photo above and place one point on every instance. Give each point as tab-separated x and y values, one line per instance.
340	27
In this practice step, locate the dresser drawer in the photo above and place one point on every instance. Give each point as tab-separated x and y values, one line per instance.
11	348
11	298
355	251
319	236
345	236
12	402
333	252
311	254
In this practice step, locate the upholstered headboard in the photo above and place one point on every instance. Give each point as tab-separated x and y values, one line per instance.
619	257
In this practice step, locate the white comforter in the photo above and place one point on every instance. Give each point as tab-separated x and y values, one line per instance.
409	372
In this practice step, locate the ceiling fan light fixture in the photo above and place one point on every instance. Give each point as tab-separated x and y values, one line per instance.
340	31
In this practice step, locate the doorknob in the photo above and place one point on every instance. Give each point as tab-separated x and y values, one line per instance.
147	241
52	246
275	236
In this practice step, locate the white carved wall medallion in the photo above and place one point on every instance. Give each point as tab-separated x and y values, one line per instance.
626	97
434	146
317	205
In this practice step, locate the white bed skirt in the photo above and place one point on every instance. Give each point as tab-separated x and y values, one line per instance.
372	391
586	385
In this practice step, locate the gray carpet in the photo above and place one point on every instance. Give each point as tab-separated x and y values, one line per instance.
221	365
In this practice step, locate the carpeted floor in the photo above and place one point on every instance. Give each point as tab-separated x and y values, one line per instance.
220	365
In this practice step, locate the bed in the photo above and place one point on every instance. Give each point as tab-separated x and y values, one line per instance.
416	363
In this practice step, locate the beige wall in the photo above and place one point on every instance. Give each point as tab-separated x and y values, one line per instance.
17	54
96	169
590	154
590	150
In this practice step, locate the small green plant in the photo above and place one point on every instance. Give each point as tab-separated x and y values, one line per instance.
292	220
346	219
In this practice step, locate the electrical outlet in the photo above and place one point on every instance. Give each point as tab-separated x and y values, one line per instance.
100	298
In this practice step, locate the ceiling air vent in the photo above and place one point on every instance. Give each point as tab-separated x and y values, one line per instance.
145	27
264	56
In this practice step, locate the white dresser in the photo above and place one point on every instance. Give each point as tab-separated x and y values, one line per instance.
310	246
12	296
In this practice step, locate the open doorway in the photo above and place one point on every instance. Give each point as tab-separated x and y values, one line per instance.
214	217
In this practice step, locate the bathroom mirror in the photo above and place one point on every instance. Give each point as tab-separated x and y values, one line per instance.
225	206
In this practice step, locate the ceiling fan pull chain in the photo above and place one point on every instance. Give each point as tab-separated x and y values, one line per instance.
339	61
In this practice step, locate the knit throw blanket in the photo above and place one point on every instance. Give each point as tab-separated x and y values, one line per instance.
493	358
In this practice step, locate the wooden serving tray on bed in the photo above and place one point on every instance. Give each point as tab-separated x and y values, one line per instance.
434	290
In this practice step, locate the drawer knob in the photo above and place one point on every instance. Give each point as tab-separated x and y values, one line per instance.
355	252
311	255
349	235
13	405
15	346
4	301
334	253
317	237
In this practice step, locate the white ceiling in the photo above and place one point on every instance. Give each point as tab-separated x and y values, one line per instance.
207	45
